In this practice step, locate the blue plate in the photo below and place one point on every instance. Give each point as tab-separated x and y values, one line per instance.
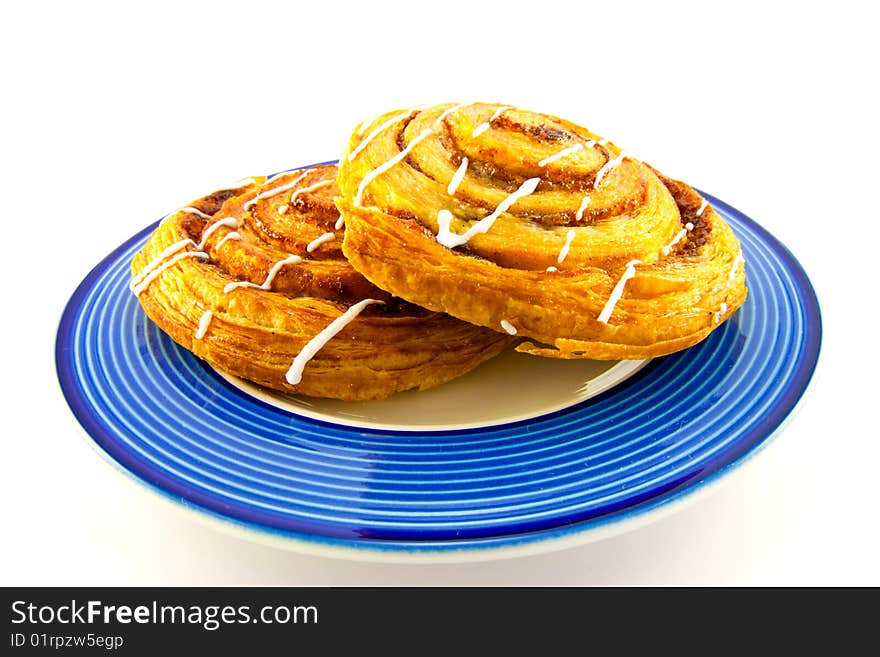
602	465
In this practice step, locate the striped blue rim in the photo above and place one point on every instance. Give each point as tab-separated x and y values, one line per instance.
168	419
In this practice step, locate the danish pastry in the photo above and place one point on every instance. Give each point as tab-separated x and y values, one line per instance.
252	280
528	224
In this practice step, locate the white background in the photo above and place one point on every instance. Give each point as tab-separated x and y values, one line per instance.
113	115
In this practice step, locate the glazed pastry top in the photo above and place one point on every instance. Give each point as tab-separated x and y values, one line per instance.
556	230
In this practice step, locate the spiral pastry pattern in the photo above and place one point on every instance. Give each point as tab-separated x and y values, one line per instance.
531	225
252	280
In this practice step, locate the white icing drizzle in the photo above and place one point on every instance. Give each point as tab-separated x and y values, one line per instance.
289	260
191	210
551	268
158	260
602	142
702	208
228	236
277	190
313	346
318	241
238	184
310	188
563	252
282	208
610	164
675	240
720	311
563	153
375	133
584	204
458	177
382	168
339	223
444	222
735	267
204	322
267	284
507	326
444	218
688	227
158	264
145	283
450	110
480	129
229	287
617	292
501	110
226	221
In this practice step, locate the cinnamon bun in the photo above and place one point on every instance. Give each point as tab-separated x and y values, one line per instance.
531	225
253	281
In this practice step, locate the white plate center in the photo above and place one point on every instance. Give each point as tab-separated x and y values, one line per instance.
508	388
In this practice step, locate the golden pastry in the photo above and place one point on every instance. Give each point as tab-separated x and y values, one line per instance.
529	224
253	281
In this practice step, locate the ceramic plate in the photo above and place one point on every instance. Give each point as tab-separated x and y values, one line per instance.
520	456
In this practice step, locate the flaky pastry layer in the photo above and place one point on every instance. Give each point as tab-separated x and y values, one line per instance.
529	224
247	278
